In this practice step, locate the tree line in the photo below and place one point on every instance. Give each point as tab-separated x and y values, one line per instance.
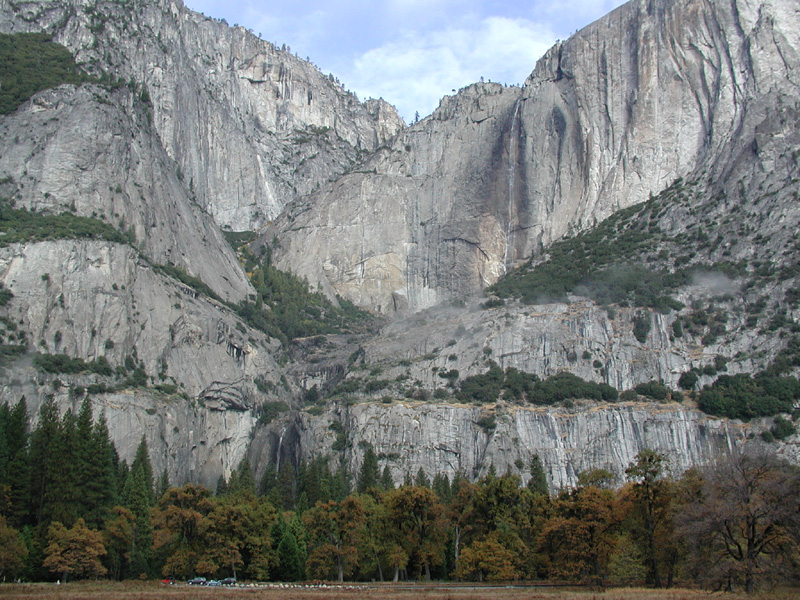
70	508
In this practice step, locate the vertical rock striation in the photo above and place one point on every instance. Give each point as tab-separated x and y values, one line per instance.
450	439
249	126
654	91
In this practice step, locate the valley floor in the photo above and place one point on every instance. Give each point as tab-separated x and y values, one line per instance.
151	590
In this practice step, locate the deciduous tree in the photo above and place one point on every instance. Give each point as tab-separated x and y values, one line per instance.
335	532
12	549
487	560
118	537
418	517
650	494
578	536
74	552
177	528
742	524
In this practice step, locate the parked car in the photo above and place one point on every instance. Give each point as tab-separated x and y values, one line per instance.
228	581
212	583
168	580
197	581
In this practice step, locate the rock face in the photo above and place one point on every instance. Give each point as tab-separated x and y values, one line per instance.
95	153
547	339
417	222
93	299
652	92
449	439
217	128
248	125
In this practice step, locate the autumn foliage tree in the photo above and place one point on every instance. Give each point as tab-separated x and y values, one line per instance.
418	518
178	526
74	552
236	538
649	494
118	536
578	537
487	560
335	531
12	549
69	506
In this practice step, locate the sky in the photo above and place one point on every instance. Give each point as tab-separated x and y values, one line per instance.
411	53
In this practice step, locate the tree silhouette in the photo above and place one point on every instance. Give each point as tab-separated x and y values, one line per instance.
742	523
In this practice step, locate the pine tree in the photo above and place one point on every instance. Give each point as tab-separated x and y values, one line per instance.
142	461
136	497
5	453
422	479
290	564
222	487
163	484
231	483
341	484
538	481
387	483
300	534
267	483
369	475
302	479
14	462
276	534
42	446
314	481
243	483
62	500
285	487
96	473
441	485
13	433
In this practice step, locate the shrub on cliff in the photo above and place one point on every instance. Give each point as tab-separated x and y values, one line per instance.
744	397
516	385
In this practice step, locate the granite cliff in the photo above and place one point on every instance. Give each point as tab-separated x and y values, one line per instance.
652	92
249	126
671	123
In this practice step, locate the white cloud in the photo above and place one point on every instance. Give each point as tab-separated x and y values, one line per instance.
415	71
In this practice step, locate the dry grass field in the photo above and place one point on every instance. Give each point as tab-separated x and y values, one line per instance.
152	590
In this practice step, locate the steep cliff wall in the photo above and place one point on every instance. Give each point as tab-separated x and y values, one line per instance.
649	93
448	439
193	442
198	402
89	299
94	153
580	338
652	92
219	126
248	125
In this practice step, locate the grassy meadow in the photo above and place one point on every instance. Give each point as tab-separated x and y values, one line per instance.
133	590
